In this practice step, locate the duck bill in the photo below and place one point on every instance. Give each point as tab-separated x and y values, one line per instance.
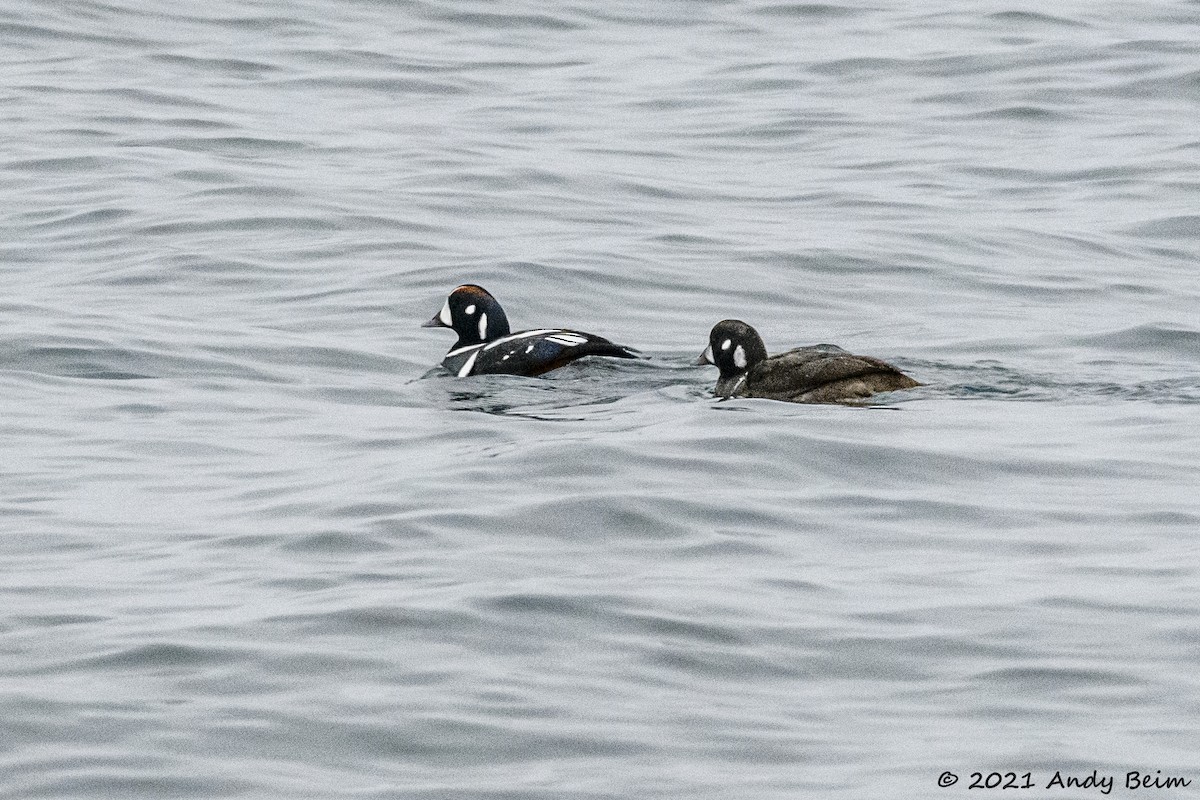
442	319
705	358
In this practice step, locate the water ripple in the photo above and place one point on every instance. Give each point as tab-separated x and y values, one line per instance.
253	530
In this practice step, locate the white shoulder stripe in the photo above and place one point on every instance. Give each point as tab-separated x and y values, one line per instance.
470	362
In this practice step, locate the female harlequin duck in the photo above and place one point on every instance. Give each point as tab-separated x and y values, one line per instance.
486	346
824	373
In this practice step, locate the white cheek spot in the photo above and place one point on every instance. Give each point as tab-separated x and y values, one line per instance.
444	314
482	326
529	349
507	357
725	344
739	357
470	309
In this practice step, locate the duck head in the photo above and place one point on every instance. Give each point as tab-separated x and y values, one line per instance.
472	313
734	348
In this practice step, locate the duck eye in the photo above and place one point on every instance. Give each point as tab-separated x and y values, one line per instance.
470	309
725	344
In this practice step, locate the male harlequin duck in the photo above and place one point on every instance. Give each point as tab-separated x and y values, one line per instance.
485	345
824	373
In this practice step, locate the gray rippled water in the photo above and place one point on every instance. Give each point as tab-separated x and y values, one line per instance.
254	547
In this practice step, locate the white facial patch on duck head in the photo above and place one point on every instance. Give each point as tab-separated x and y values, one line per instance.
725	344
469	310
444	314
739	357
482	325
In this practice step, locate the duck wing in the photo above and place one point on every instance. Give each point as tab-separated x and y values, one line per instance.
531	352
823	374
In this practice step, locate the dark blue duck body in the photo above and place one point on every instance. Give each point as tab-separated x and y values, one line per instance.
486	346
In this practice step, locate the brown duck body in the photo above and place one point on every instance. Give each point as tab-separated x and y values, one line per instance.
820	374
817	375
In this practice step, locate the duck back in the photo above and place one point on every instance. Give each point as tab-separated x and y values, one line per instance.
823	374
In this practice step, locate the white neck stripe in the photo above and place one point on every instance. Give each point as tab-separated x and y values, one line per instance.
464	349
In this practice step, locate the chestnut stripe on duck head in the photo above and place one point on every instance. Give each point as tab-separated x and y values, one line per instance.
472	313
